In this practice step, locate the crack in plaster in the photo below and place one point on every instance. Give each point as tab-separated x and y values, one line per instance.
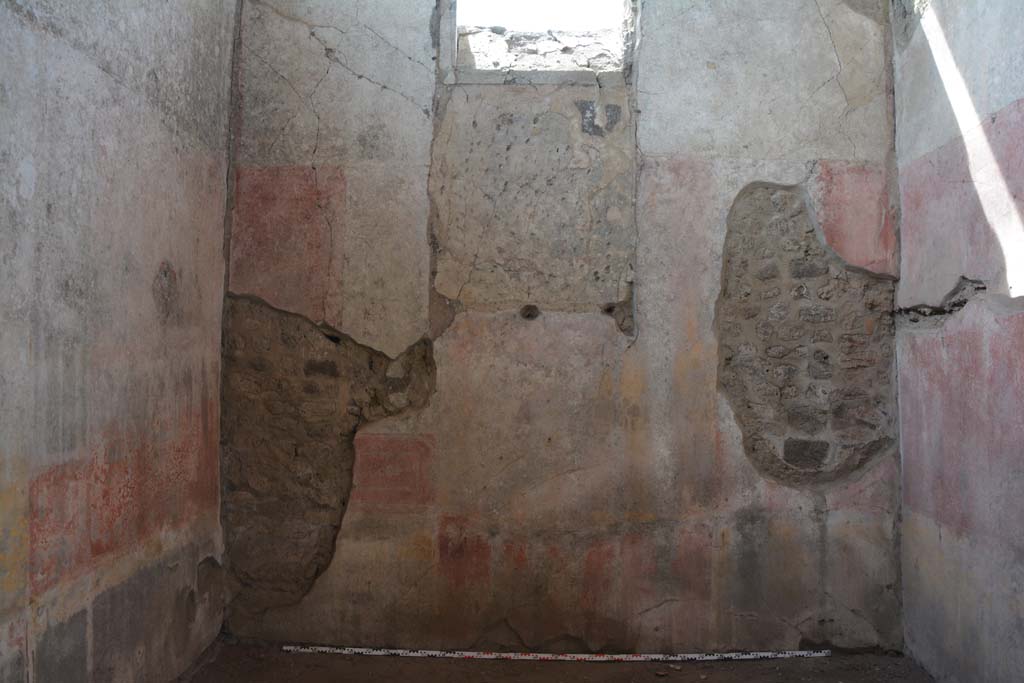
667	601
331	54
838	78
172	121
954	301
312	26
325	214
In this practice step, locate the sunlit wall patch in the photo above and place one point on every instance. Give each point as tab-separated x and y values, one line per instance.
1002	212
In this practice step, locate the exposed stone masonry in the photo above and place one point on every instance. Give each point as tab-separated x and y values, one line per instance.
806	344
294	396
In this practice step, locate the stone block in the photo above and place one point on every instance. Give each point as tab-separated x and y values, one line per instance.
806	455
535	206
808	268
808	419
817	314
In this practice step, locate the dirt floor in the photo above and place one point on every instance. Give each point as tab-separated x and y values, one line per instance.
225	663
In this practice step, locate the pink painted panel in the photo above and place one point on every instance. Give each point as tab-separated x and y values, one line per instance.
601	574
465	553
101	504
962	411
286	222
58	524
854	209
393	470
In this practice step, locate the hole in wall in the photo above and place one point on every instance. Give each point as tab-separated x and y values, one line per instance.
529	312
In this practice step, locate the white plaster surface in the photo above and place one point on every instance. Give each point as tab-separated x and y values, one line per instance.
351	85
788	79
113	167
984	39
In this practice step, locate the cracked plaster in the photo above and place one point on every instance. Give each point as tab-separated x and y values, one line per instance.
349	87
829	101
569	486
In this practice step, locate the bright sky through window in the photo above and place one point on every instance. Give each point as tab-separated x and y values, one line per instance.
543	15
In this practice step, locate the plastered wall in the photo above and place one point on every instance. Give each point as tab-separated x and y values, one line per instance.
113	130
576	478
504	312
959	133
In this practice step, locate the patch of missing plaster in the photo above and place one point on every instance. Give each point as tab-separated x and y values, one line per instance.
623	312
441	309
529	312
592	123
210	580
906	17
294	394
872	9
805	344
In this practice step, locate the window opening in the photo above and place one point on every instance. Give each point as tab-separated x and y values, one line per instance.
541	35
